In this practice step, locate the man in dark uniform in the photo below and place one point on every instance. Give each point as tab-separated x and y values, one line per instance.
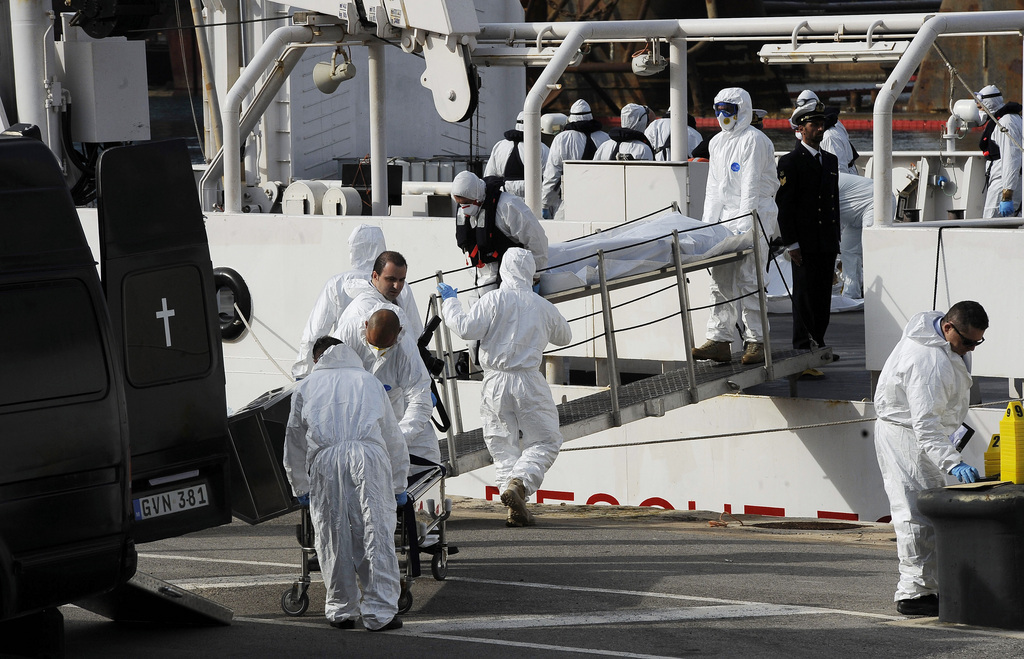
808	201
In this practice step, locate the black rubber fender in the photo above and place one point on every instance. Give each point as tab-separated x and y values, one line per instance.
231	326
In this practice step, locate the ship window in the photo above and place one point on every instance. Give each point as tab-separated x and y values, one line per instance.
50	342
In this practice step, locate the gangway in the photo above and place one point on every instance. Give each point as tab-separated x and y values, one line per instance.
649	397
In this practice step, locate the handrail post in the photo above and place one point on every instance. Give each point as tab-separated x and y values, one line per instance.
684	313
762	294
609	340
451	388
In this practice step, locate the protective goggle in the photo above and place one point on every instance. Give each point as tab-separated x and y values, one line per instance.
726	109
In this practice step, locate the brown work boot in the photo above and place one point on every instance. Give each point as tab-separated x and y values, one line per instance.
514	497
714	350
754	354
514	519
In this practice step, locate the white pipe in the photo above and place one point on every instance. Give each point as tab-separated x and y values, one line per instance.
206	66
532	107
29	25
267	56
378	131
708	27
678	101
981	21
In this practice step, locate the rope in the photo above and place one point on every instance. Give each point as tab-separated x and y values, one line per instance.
935	281
766	431
953	70
257	339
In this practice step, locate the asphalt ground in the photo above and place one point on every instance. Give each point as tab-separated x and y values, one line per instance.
585	581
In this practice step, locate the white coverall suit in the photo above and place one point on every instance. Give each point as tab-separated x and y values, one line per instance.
567	145
633	117
741	177
856	211
364	245
513	218
1003	173
923	396
514	325
659	132
344	448
500	153
402	372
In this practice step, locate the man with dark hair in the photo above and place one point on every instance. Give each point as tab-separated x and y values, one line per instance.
921	400
376	332
808	201
321	345
367	258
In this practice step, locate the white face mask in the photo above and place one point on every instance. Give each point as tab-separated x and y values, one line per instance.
727	123
379	352
470	210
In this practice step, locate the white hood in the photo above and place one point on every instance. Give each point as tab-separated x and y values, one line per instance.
517	268
744	113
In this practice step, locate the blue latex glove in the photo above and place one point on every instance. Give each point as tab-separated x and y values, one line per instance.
433	399
402	498
545	213
447	291
965	473
536	288
1006	209
304	500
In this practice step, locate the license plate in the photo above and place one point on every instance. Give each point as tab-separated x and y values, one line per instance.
174	501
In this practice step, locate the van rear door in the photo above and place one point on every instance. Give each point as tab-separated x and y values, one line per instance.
158	277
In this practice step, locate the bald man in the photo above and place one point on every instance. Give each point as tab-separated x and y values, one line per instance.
376	331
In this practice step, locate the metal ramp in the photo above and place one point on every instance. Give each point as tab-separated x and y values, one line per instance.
652	396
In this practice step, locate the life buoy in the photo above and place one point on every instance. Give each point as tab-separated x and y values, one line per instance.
231	325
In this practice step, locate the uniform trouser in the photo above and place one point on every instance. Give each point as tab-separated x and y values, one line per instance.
731	281
906	471
514	401
352	506
812	298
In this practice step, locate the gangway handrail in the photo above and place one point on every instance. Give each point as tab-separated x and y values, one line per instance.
677	268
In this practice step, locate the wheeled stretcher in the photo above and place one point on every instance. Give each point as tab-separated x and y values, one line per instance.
414	534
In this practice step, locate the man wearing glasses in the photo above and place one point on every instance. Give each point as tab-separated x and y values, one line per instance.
921	401
741	179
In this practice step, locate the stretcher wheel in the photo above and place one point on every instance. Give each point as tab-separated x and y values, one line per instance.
439	566
293	606
404	601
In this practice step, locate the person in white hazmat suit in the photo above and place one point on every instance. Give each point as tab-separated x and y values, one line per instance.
836	139
741	178
376	332
514	325
506	159
659	134
628	142
856	211
578	140
365	244
500	212
345	457
922	397
1003	191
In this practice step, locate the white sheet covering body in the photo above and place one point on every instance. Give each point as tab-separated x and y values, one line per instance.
574	263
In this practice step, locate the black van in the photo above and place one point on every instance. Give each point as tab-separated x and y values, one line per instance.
65	504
